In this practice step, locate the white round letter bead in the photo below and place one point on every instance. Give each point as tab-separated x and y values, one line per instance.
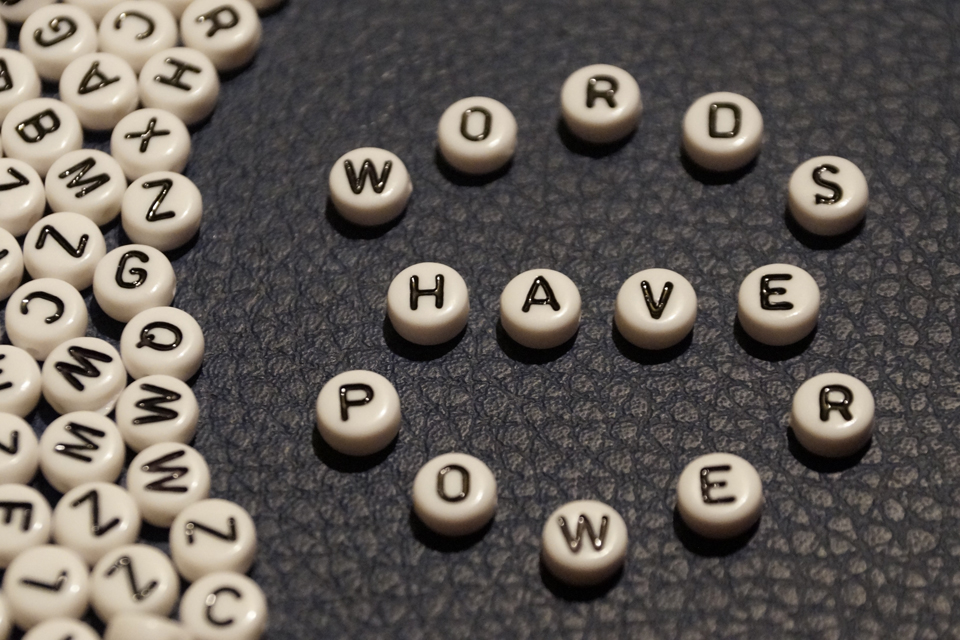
778	304
428	303
722	131
20	383
94	518
88	182
44	313
182	81
162	340
162	210
22	10
62	629
150	140
157	409
81	447
226	31
455	494
719	495
21	76
540	309
828	195
142	626
358	412
25	524
477	135
369	186
11	264
832	415
101	88
40	131
656	308
131	279
136	29
44	583
211	536
19	454
165	479
56	35
224	606
584	543
83	374
136	578
66	246
22	196
601	103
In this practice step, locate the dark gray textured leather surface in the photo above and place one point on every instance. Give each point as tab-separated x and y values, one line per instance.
289	295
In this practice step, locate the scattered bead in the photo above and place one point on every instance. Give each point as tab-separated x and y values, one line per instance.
137	29
223	606
722	131
81	447
226	31
428	303
19	453
369	186
719	495
358	412
83	374
477	135
832	415
11	264
22	196
66	246
39	131
133	278
182	81
21	75
101	88
162	340
94	518
157	409
656	308
162	210
778	304
211	536
540	309
44	313
44	583
150	140
140	626
6	622
136	578
88	182
165	479
828	195
25	523
601	103
455	494
584	543
20	383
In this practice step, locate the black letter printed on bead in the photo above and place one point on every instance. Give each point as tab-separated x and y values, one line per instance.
6	82
464	483
83	367
656	308
606	94
40	131
21	180
766	291
43	295
88	184
145	136
71	28
87	85
138	593
152	404
416	292
216	24
49	230
367	169
465	121
827	405
176	79
583	523
706	485
8	508
540	283
147	339
146	33
833	186
96	528
153	213
737	115
83	435
140	274
193	527
173	473
211	600
346	403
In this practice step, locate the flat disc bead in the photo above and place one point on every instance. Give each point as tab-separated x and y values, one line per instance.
111	590
17	13
162	340
66	246
29	522
94	518
137	29
40	131
83	374
540	309
778	304
601	103
224	606
832	415
54	36
20	379
157	409
477	135
828	195
101	88
162	210
11	264
131	279
182	81
584	543
358	412
20	456
455	494
226	31
719	495
150	140
81	447
369	186
142	626
210	536
22	76
722	131
28	585
96	9
88	182
165	479
428	303
62	629
23	199
44	313
656	308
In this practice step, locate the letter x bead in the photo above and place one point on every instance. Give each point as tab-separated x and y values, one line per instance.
832	415
778	304
584	542
150	140
719	495
601	103
358	413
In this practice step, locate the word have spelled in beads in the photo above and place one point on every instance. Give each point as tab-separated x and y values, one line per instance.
117	66
718	495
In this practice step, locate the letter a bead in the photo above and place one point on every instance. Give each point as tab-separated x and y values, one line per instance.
358	413
719	495
540	309
584	543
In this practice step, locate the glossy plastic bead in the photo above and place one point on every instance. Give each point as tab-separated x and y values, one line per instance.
656	308
369	186
44	583
101	88
264	6
56	35
25	524
40	131
719	495
455	494
141	626
22	82
44	313
210	536
19	383
778	304
136	578
226	31
477	135
428	303
162	210
601	103
722	131
20	11
83	374
224	606
832	415
182	81
584	543
94	518
358	412
88	182
11	264
81	447
162	340
540	309
157	409
66	246
22	196
150	140
131	279
19	453
62	629
165	479
137	29
828	195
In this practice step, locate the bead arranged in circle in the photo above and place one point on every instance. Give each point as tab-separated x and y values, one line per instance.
540	309
358	412
477	135
601	103
719	495
722	131
828	195
778	304
369	186
832	415
428	303
455	494
584	543
656	308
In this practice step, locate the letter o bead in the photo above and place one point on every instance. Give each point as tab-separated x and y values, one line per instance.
601	103
584	543
224	606
656	308
428	303
828	195
719	495
778	304
540	309
477	135
358	413
722	131
832	415
369	186
455	494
